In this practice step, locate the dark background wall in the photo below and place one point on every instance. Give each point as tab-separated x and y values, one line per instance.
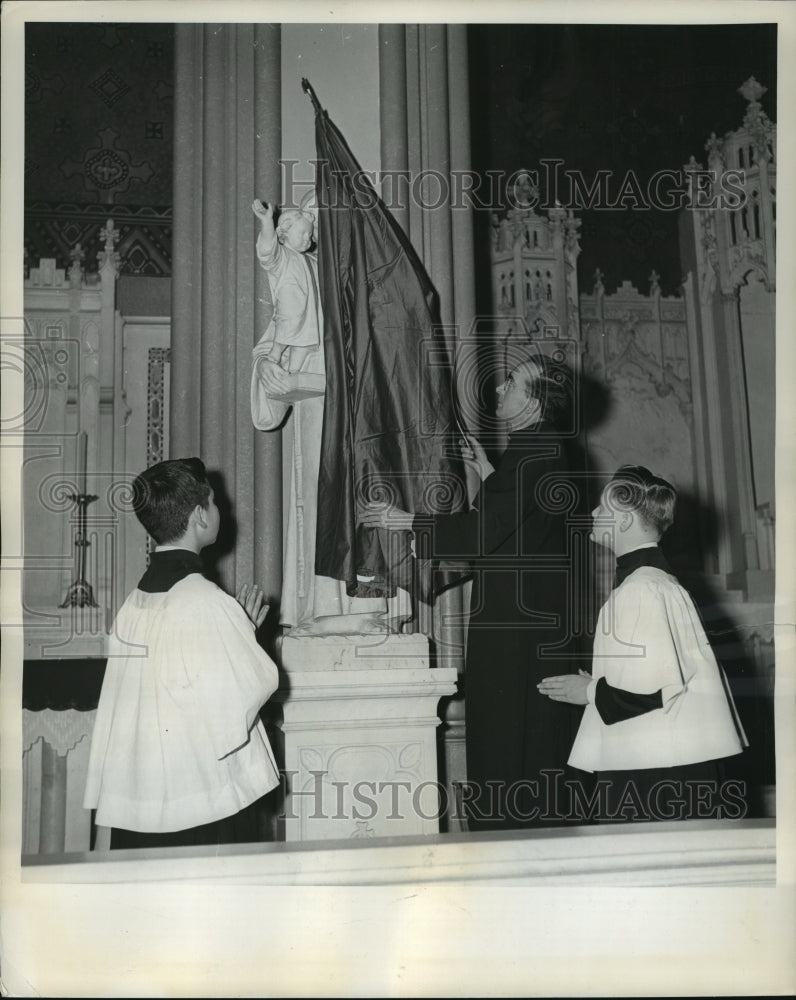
614	97
99	118
98	141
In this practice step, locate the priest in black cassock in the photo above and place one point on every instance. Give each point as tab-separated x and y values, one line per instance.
516	538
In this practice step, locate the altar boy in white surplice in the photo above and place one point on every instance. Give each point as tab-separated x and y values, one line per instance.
659	717
179	754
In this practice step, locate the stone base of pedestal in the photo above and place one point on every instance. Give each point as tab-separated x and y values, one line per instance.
455	764
359	727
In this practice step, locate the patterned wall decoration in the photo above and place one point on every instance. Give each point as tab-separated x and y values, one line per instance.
98	141
106	169
157	378
158	367
144	247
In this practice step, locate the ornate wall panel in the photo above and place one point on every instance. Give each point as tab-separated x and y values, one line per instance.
99	141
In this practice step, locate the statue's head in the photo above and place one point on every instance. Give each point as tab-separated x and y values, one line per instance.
295	229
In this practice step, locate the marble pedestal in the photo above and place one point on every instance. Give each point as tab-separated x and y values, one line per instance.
359	726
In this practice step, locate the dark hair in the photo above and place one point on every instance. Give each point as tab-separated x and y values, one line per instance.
553	387
165	495
633	487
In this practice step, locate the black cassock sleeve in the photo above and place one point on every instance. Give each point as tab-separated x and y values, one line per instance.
615	705
506	518
449	535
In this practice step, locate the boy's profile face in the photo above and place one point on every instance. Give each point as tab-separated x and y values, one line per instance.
604	518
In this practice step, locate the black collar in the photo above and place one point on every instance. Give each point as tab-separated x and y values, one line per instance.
167	568
631	561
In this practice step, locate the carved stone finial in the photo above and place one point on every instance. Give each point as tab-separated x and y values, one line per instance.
756	122
599	287
692	166
715	148
751	90
111	235
696	179
77	255
572	240
525	194
108	257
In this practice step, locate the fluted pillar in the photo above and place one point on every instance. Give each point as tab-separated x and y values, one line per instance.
393	121
739	431
226	152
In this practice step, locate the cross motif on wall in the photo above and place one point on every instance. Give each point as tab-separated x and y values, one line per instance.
106	169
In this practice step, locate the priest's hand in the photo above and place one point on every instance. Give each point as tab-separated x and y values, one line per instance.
252	600
272	375
385	515
473	453
570	688
476	465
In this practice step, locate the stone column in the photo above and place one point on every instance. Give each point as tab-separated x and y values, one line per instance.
226	152
734	407
719	393
395	191
766	214
437	146
739	416
700	429
53	801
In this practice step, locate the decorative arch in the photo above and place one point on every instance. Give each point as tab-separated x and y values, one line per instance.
746	266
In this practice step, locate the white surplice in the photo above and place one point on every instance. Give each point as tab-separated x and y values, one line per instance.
178	741
650	638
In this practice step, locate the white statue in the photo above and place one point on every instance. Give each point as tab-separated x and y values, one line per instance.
295	326
289	371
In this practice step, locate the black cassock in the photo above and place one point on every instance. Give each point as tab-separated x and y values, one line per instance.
522	589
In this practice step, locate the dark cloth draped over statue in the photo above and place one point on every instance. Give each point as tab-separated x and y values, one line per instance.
389	428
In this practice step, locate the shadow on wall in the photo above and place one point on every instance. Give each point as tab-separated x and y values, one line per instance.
597	403
690	546
750	676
